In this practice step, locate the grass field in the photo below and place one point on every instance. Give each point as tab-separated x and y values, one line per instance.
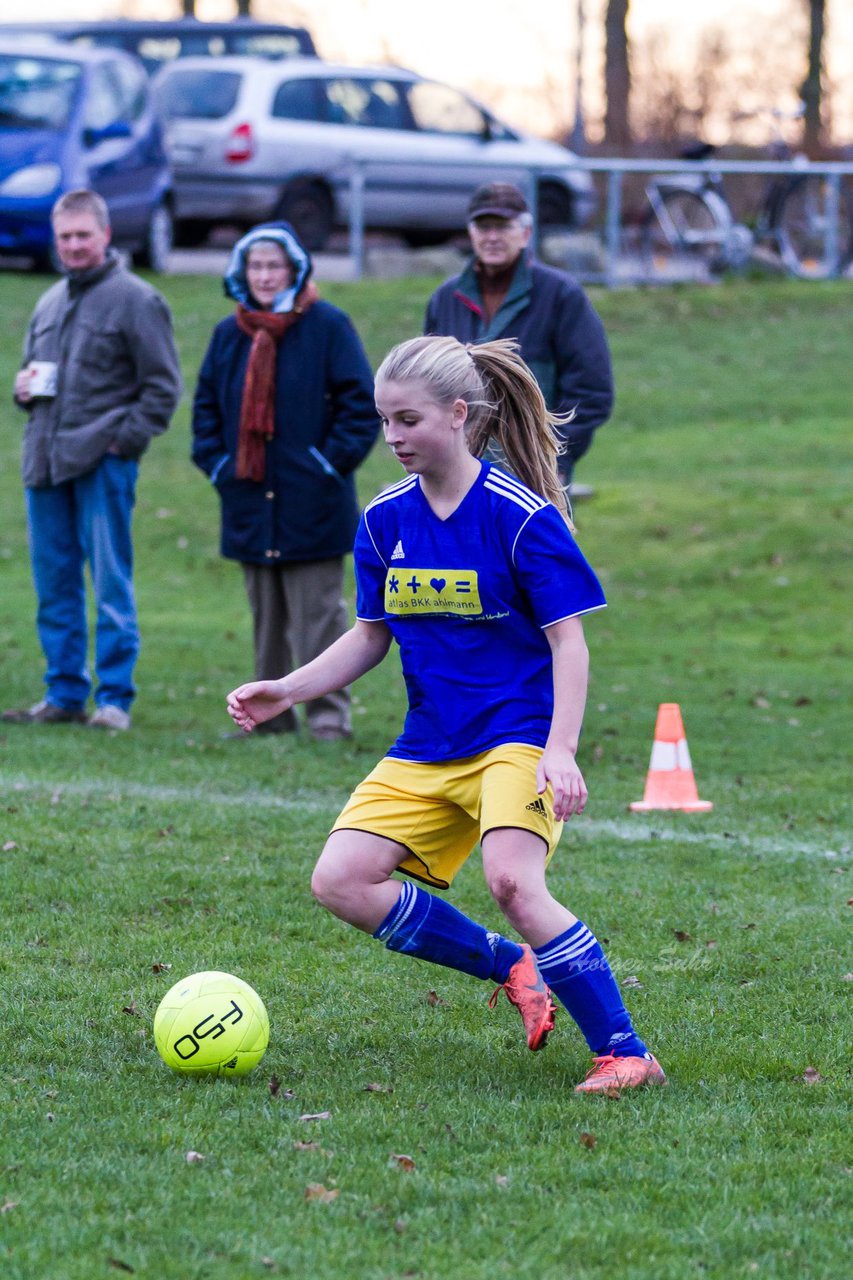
718	532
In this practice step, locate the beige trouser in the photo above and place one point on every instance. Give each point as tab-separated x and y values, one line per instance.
298	610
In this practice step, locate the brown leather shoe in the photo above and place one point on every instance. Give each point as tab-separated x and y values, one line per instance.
44	713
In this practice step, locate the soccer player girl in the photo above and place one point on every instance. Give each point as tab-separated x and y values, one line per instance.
474	572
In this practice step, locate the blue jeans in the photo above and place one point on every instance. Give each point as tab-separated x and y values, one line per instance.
87	519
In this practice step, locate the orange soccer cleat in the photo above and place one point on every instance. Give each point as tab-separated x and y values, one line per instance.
526	989
611	1073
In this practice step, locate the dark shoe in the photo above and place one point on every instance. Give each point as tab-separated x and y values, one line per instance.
44	713
526	989
330	733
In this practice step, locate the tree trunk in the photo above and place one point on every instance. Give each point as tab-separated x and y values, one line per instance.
812	87
617	76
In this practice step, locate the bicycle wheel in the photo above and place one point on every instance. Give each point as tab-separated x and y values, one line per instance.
688	236
799	222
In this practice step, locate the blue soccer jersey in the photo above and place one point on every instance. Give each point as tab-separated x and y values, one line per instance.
467	599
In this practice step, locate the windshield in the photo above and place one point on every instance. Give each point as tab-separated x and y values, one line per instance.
36	93
197	95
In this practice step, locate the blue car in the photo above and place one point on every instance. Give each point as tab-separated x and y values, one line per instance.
80	118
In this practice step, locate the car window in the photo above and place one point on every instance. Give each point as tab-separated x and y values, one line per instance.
157	50
37	93
103	100
440	109
267	45
298	99
131	83
373	104
157	47
197	95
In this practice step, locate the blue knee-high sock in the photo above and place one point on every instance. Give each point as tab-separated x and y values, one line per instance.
422	925
576	970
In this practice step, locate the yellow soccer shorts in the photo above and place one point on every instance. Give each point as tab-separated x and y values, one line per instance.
439	811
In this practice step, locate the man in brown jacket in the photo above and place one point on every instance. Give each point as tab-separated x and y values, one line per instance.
100	378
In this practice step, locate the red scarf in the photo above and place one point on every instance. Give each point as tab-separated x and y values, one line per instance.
257	409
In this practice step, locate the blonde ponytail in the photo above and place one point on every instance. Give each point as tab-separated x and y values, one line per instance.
504	403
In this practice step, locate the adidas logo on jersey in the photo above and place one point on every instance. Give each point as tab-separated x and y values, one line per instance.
398	553
538	807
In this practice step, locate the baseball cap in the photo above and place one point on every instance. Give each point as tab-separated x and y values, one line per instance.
498	199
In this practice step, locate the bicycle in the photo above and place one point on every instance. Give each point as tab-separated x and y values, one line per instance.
691	223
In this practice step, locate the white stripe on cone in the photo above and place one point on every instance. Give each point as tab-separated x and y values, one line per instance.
670	755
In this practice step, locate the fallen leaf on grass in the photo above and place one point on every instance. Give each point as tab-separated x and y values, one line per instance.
269	1263
159	967
9	1206
612	1092
306	1146
401	1162
434	998
323	1195
632	981
681	935
400	1226
848	977
194	1157
133	1009
811	1075
317	1115
121	1266
378	1088
588	1140
501	1180
9	846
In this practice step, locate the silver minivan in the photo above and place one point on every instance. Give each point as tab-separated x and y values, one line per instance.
251	140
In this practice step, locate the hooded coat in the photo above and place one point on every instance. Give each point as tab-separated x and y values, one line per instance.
325	424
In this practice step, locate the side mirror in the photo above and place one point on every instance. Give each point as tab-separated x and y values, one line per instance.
117	129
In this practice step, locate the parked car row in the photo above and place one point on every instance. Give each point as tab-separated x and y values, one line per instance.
238	139
251	141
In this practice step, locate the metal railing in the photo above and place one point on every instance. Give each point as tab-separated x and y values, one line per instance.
611	231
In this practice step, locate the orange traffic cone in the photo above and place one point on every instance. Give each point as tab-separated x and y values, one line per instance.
669	782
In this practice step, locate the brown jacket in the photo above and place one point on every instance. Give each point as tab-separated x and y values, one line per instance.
118	377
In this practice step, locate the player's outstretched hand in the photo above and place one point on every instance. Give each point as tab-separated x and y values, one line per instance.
559	767
251	704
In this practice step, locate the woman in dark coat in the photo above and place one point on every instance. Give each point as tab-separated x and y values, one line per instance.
283	414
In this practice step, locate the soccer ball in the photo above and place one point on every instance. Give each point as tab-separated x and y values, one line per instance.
211	1024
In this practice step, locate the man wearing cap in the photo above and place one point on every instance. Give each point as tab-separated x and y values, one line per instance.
504	292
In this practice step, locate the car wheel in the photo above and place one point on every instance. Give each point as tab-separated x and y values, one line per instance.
159	238
425	237
555	206
307	206
190	233
48	263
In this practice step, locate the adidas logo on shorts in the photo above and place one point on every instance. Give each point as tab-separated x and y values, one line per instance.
537	807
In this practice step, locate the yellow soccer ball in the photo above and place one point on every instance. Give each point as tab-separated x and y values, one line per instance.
211	1024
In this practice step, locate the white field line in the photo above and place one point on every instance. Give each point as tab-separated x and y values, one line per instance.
303	800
